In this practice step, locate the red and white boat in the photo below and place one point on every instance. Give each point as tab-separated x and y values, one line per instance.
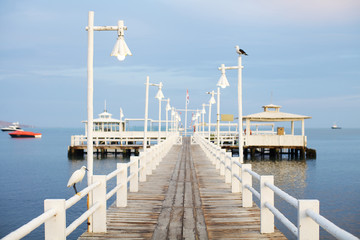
24	134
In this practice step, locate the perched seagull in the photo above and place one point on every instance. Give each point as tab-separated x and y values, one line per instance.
240	51
76	177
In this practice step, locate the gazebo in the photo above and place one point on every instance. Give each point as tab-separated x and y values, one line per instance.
280	139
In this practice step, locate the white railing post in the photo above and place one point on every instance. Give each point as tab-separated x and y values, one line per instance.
218	158
142	177
246	180
155	155
121	179
99	195
307	228
228	164
266	196
55	227
134	169
235	170
222	161
149	154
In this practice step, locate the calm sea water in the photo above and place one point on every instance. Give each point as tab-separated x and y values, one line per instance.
32	170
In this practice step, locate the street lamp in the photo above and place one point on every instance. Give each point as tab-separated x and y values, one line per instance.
159	96
121	121
147	84
120	50
167	108
239	67
211	102
203	112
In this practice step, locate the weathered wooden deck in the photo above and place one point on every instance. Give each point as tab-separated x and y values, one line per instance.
184	198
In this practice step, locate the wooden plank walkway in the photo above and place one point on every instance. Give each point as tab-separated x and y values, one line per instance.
184	198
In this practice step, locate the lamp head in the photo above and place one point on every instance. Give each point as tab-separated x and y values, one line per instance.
159	94
203	110
212	99
121	49
168	107
223	82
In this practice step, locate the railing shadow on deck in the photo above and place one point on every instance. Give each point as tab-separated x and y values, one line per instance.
54	216
240	176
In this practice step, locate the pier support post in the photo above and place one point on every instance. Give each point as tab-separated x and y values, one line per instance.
308	228
121	195
99	195
55	226
266	195
134	168
247	200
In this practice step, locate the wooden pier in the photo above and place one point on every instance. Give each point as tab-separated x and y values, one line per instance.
184	198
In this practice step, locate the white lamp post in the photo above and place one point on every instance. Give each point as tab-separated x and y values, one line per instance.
203	112
239	67
159	96
121	51
211	102
147	84
223	83
168	108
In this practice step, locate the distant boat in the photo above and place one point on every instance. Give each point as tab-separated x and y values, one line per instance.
335	127
24	134
14	127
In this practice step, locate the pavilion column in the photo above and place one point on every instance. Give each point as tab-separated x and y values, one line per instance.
247	127
292	127
302	127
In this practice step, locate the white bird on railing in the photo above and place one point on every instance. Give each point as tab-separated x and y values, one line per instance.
76	177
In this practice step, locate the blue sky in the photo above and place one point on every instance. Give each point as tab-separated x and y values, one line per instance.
306	54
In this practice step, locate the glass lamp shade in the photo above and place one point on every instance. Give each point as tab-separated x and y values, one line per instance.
212	100
120	49
223	82
159	95
168	107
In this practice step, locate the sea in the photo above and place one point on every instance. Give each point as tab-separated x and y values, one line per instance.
32	170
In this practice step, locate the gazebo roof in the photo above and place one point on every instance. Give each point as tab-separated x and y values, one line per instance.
105	117
274	115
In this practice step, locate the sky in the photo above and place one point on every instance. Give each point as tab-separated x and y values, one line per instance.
303	55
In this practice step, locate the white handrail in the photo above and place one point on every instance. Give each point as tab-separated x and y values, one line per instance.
73	200
254	174
82	218
288	198
330	227
212	151
253	190
293	229
113	191
30	226
155	153
113	174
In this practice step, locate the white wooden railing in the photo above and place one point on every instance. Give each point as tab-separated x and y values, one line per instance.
240	176
117	138
54	216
